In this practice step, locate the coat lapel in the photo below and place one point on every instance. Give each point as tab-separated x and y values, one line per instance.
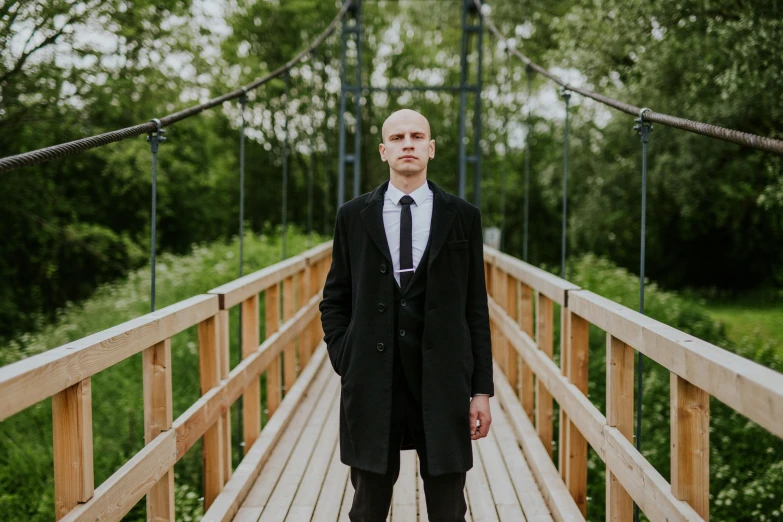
442	218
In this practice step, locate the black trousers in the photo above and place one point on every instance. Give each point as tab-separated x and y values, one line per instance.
444	493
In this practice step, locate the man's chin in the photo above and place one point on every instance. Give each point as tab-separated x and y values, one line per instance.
409	169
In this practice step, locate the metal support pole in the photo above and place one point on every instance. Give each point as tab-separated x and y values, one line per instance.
287	79
505	151
242	103
311	165
463	78
529	74
477	116
567	96
154	139
357	104
644	128
355	10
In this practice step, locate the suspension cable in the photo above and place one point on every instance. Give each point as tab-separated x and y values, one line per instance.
753	141
37	156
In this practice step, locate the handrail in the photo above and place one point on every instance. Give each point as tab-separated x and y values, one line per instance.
66	149
698	370
705	129
65	374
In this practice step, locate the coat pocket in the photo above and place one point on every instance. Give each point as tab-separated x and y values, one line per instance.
458	244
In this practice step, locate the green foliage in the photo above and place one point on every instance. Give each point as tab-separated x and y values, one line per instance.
26	477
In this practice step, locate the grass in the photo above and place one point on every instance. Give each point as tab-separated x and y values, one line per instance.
744	318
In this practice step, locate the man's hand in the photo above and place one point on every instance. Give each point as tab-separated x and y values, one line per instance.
479	410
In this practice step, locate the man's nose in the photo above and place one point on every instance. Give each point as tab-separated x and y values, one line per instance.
408	143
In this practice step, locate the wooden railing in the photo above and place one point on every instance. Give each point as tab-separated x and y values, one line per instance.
698	370
64	374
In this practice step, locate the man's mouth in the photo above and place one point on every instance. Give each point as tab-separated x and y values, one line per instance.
408	157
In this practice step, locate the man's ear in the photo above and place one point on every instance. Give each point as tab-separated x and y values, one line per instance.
382	150
432	149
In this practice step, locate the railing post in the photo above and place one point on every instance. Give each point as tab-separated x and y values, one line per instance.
690	444
512	359
273	384
525	321
302	282
225	421
499	343
576	445
562	436
545	342
289	352
251	410
212	445
72	434
158	417
619	414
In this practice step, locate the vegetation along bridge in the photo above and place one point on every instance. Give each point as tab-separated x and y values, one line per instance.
534	464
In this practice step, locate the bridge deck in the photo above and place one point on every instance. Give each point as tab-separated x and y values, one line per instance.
304	480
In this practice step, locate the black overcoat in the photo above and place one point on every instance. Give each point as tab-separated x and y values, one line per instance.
359	334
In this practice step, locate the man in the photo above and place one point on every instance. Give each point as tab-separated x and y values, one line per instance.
406	325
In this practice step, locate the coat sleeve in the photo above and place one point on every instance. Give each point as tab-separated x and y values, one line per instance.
336	304
477	313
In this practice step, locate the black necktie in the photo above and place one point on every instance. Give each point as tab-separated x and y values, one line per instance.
406	241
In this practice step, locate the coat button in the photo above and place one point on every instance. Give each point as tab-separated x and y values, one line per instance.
383	268
379	347
402	332
403	302
381	307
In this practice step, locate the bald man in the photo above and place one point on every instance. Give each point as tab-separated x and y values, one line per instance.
406	325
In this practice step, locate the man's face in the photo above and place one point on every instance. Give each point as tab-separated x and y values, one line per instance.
407	146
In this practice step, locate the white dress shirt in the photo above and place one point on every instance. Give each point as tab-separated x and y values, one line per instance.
421	218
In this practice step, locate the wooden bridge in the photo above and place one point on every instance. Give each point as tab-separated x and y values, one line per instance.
291	469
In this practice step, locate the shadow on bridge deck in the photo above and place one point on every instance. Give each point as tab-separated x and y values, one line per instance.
304	480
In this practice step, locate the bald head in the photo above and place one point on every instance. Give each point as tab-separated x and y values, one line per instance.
405	118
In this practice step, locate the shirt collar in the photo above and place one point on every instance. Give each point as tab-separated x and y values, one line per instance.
418	195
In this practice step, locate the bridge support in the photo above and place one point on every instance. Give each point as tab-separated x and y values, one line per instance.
351	25
472	27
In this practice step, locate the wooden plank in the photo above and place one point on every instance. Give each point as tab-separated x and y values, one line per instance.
333	489
282	497
289	353
512	357
274	389
212	452
192	424
690	444
481	503
158	418
36	378
303	506
233	293
748	387
542	281
525	321
499	293
302	291
404	506
576	445
565	339
545	342
272	448
619	414
251	405
225	421
551	487
503	493
119	493
420	494
651	492
72	434
522	479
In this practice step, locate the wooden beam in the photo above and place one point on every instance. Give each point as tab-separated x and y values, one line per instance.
212	451
274	390
302	295
158	417
72	433
499	293
39	377
512	357
251	405
225	421
233	293
289	354
525	321
690	440
576	445
545	341
619	414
